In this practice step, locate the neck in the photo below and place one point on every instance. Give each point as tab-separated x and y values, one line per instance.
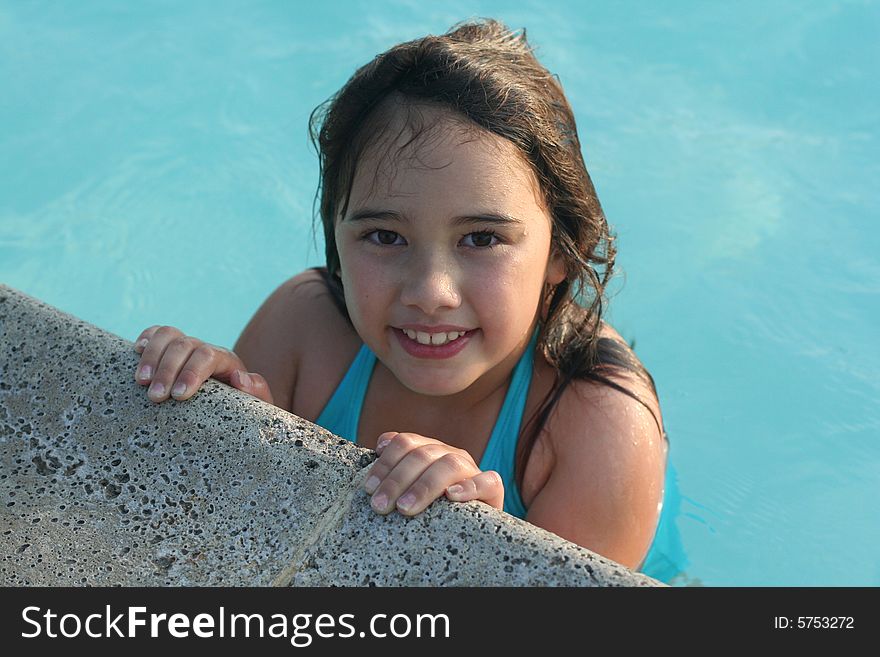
487	391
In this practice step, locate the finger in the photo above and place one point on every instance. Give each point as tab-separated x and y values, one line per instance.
486	486
253	384
158	341
383	440
420	478
392	482
393	447
176	354
433	482
141	341
198	366
226	365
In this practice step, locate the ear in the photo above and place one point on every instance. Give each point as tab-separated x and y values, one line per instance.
555	268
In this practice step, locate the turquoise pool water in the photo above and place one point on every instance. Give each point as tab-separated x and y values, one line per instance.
155	168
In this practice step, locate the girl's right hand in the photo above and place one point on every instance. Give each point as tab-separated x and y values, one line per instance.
176	365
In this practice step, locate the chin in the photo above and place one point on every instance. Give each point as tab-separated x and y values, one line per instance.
432	385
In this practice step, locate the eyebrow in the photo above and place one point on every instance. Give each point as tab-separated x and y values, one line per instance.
463	220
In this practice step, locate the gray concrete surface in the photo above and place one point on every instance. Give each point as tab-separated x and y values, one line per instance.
100	486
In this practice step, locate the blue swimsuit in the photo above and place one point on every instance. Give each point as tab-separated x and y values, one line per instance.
343	411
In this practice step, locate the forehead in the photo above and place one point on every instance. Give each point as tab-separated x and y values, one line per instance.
425	153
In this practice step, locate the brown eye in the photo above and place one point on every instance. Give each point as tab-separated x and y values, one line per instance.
384	237
483	239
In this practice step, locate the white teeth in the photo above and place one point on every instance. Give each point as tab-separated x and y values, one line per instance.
434	339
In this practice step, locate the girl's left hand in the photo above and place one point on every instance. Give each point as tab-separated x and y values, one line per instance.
412	471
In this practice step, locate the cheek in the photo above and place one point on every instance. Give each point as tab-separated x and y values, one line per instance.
363	280
362	273
508	292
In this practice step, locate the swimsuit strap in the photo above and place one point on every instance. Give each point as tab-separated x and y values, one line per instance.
500	452
343	411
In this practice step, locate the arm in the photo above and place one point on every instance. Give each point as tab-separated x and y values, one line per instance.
268	344
607	481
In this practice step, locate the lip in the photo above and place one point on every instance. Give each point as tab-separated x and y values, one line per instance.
418	350
438	328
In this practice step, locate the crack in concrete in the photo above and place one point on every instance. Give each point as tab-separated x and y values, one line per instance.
330	519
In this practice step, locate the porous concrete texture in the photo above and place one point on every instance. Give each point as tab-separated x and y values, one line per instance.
100	486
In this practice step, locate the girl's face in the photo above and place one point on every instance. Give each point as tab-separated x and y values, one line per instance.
444	252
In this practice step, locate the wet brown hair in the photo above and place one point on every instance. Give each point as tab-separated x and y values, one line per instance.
489	75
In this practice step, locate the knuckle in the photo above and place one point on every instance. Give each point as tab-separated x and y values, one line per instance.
163	376
190	377
167	368
420	489
393	483
423	456
181	342
405	440
204	351
435	480
493	478
427	452
455	461
379	471
394	451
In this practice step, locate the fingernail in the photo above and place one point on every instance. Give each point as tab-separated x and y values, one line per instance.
145	373
406	501
379	502
157	390
142	344
382	443
178	389
245	379
372	484
455	489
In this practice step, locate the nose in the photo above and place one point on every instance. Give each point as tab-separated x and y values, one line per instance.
430	283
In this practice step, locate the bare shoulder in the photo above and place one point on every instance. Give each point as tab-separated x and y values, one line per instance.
609	467
632	382
284	329
592	404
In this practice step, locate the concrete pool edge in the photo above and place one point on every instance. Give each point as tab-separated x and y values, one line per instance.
104	487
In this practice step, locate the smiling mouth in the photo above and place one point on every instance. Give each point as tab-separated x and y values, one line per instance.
433	339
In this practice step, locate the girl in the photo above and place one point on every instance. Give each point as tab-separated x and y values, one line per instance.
462	230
